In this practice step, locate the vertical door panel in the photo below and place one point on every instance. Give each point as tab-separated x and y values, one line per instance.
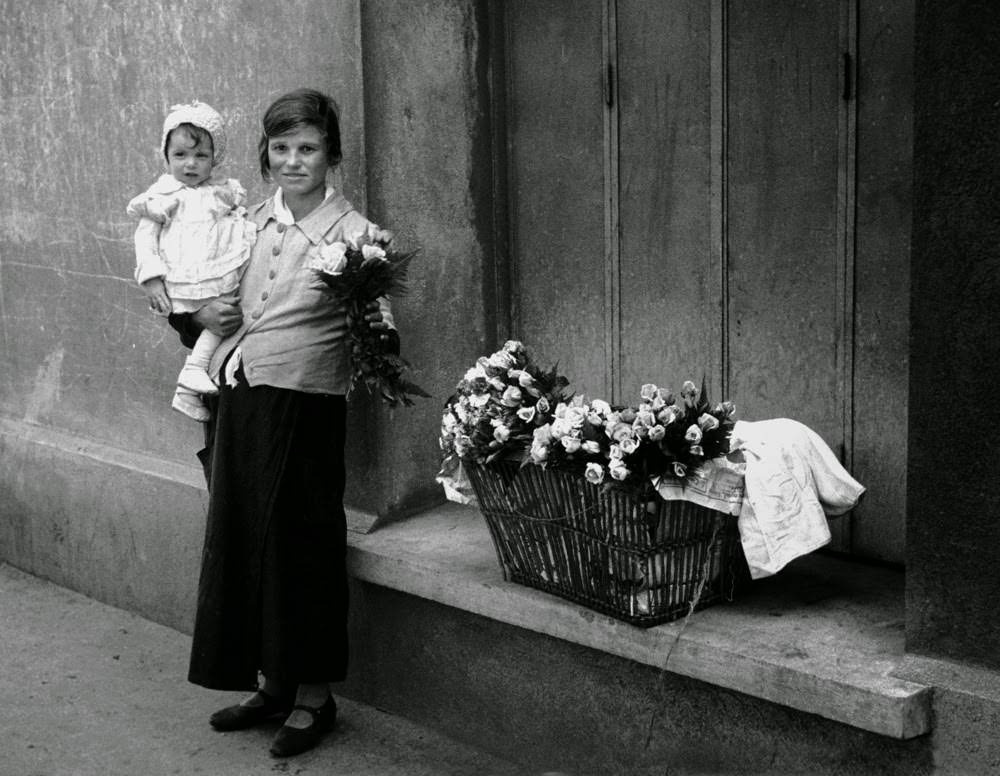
785	268
670	313
882	278
557	154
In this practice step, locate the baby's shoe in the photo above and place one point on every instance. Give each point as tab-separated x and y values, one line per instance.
191	405
197	380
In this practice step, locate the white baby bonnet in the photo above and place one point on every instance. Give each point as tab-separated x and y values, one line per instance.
200	115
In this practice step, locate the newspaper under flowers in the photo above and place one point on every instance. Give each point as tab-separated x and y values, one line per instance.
359	273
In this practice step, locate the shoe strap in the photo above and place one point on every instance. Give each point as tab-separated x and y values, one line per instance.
314	710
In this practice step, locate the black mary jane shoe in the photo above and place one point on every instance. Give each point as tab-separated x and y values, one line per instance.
240	717
291	740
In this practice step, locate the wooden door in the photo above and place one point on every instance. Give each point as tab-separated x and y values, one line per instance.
556	125
788	177
669	276
788	266
681	179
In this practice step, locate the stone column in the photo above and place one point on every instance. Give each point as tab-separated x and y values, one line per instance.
953	524
430	178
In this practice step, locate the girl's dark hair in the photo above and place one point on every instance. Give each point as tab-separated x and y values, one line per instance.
194	134
301	107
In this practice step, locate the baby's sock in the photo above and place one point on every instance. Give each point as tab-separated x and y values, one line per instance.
195	375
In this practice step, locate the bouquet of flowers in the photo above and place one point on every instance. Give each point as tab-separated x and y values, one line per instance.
358	273
497	406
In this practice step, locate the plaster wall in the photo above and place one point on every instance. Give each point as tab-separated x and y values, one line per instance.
84	87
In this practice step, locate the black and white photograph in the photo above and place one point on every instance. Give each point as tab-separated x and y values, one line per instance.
499	387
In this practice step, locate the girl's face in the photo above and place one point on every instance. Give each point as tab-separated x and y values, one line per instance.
189	159
298	162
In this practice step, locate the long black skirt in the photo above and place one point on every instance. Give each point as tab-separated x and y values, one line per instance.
272	596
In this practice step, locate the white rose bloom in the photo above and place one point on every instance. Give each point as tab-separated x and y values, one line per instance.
708	422
619	472
601	407
561	428
527	414
570	443
475	373
645	418
539	452
511	396
543	434
332	258
502	360
372	252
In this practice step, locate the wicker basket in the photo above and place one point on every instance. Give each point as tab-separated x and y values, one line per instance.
644	561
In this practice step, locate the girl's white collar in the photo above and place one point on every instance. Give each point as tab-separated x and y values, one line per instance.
281	212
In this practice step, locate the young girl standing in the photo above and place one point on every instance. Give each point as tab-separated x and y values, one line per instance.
193	237
272	595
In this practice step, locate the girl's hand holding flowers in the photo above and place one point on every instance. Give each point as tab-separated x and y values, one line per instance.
373	316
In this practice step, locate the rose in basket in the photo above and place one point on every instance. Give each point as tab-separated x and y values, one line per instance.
574	439
496	408
360	272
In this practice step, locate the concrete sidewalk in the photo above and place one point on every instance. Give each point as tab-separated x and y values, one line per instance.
90	690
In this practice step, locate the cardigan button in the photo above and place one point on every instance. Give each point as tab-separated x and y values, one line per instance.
276	250
263	297
272	275
281	228
255	314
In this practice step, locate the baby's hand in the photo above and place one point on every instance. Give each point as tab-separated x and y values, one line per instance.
156	293
227	197
162	213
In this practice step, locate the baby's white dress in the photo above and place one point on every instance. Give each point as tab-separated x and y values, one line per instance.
196	238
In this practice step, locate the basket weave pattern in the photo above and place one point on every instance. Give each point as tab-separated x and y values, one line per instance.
641	560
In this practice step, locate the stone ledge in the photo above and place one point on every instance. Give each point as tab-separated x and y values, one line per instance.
823	636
